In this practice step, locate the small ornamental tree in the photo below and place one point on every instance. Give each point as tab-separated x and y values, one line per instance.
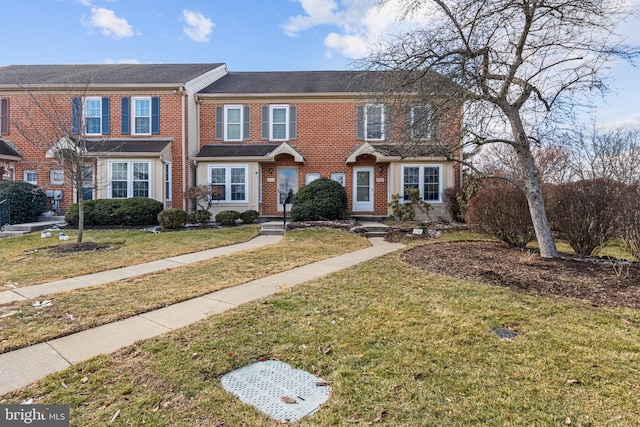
322	199
503	213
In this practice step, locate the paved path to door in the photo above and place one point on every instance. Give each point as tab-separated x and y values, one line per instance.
21	367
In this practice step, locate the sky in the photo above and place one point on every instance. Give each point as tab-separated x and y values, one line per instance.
247	35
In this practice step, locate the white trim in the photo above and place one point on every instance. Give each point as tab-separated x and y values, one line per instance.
84	114
130	179
133	114
421	168
310	177
225	122
286	121
227	181
27	172
366	121
57	177
368	205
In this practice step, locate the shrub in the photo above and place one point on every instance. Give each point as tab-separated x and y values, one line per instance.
227	218
405	210
134	211
201	216
322	199
629	219
172	219
502	212
26	201
249	217
584	213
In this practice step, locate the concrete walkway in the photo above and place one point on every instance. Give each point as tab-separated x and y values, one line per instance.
21	367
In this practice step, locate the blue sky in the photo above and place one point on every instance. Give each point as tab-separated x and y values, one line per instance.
247	35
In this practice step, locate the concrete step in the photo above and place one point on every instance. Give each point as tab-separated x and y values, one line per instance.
271	232
4	234
272	228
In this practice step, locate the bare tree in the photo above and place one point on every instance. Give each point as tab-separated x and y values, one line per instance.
518	66
611	154
52	123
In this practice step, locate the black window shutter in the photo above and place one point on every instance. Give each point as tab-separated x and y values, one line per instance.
265	122
360	122
126	116
155	115
387	131
4	116
293	122
106	115
76	114
219	123
246	130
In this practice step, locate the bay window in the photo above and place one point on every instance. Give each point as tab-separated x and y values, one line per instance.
425	178
129	179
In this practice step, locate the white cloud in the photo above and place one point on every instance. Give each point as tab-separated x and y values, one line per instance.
318	12
121	61
198	27
108	23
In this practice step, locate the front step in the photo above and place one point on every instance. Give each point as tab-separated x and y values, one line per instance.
374	229
272	228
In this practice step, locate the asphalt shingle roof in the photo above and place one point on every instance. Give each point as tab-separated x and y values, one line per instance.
236	150
141	145
110	74
6	149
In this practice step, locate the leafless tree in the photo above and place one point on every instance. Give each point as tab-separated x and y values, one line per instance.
51	123
518	66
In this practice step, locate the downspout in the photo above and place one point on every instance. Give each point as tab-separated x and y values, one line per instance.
184	149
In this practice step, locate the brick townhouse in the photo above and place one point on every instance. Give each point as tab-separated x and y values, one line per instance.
154	130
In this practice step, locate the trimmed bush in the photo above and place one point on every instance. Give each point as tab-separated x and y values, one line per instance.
584	213
249	217
201	216
26	201
134	211
172	219
502	212
322	199
227	218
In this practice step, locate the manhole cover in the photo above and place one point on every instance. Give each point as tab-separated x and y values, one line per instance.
505	333
277	389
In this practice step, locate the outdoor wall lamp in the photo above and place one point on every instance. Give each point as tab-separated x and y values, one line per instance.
380	170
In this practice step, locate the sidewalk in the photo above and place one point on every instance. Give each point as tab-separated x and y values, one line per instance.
21	367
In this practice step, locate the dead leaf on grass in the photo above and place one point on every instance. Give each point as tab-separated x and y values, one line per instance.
573	381
64	385
352	421
567	422
378	419
84	380
325	350
322	384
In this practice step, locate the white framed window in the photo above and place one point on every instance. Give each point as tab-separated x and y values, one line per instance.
426	178
129	179
57	177
278	122
423	125
31	177
168	182
374	122
338	177
141	115
310	177
230	180
233	120
93	115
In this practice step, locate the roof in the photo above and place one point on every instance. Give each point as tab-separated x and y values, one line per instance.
128	145
106	74
310	82
256	151
7	150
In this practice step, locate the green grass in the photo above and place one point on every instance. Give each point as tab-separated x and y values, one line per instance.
412	346
26	260
81	309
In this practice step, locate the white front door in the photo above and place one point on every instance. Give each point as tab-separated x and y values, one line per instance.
363	189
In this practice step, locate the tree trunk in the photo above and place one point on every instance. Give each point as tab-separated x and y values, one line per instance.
80	215
533	189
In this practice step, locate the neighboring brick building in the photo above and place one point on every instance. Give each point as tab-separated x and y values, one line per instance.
155	130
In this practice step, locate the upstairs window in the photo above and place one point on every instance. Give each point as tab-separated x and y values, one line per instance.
279	122
423	123
91	115
373	122
4	116
233	122
140	115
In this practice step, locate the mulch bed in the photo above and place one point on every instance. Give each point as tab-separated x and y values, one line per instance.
66	248
599	281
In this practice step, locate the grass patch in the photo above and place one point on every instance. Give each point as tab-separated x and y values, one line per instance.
404	345
81	309
29	261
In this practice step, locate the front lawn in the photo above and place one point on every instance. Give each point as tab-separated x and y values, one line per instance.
400	346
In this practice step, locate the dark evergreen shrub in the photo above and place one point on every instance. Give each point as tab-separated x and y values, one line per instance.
249	217
172	219
322	199
227	218
584	213
201	216
502	212
26	201
116	212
